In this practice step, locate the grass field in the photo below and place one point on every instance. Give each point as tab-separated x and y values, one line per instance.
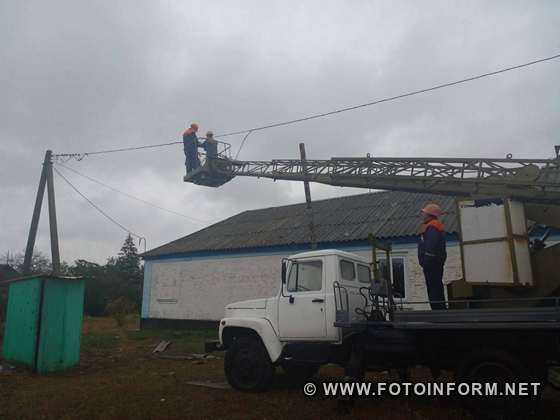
118	378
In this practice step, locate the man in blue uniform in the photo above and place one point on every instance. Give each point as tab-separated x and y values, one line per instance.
190	147
432	254
211	146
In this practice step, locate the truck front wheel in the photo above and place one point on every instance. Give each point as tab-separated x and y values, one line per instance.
247	365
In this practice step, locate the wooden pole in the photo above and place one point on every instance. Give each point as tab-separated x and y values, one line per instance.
36	216
55	254
309	208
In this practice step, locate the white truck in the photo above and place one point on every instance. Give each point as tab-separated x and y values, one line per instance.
329	310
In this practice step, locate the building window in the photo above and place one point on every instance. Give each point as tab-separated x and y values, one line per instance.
347	271
306	277
364	274
398	276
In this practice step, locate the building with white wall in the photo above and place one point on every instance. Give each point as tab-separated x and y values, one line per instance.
194	277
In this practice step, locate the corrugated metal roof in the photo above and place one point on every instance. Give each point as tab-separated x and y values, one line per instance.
350	218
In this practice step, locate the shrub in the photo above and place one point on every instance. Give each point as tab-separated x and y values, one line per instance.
119	309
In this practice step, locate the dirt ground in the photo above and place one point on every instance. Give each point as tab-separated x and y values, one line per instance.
118	378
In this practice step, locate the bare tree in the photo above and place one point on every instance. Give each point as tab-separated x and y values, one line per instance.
40	263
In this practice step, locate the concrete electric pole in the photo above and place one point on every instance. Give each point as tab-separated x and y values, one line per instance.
46	179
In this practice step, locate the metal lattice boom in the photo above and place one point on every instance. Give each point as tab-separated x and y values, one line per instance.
526	179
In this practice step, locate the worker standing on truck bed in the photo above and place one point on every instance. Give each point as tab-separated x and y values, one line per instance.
190	147
432	254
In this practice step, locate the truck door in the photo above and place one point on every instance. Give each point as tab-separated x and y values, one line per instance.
301	310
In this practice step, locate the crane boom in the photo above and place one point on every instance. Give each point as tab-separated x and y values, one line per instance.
529	180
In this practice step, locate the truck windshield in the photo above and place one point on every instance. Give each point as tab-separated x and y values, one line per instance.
306	276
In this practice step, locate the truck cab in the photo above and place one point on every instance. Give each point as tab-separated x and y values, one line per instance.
295	328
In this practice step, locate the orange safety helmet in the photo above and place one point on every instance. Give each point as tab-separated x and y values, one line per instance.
432	210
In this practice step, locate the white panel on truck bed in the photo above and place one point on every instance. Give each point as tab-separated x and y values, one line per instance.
488	263
485	222
486	245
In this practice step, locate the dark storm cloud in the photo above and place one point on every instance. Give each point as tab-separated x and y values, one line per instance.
80	76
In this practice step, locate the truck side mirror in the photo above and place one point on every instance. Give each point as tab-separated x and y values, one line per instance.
284	264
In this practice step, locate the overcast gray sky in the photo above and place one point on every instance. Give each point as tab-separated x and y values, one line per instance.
90	75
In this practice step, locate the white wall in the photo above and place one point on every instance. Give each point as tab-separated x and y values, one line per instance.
203	287
199	289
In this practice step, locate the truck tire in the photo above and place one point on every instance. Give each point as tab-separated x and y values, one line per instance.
247	365
300	373
490	366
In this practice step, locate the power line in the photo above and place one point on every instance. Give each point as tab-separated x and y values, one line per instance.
242	144
131	196
325	114
99	209
391	98
80	156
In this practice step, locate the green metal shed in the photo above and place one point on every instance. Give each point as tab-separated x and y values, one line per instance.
44	322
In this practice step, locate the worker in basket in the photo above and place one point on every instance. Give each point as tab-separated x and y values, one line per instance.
211	146
190	147
432	254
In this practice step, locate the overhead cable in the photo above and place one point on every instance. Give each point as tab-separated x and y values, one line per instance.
391	98
326	114
80	156
131	196
98	208
242	144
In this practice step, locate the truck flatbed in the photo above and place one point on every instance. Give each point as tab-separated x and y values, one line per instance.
541	318
410	325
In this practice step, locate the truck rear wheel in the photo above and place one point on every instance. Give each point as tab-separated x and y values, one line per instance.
495	366
247	365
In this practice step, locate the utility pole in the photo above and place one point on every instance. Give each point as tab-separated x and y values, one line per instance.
55	253
46	179
36	215
309	208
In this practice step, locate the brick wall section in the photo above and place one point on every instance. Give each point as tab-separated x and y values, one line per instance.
204	287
